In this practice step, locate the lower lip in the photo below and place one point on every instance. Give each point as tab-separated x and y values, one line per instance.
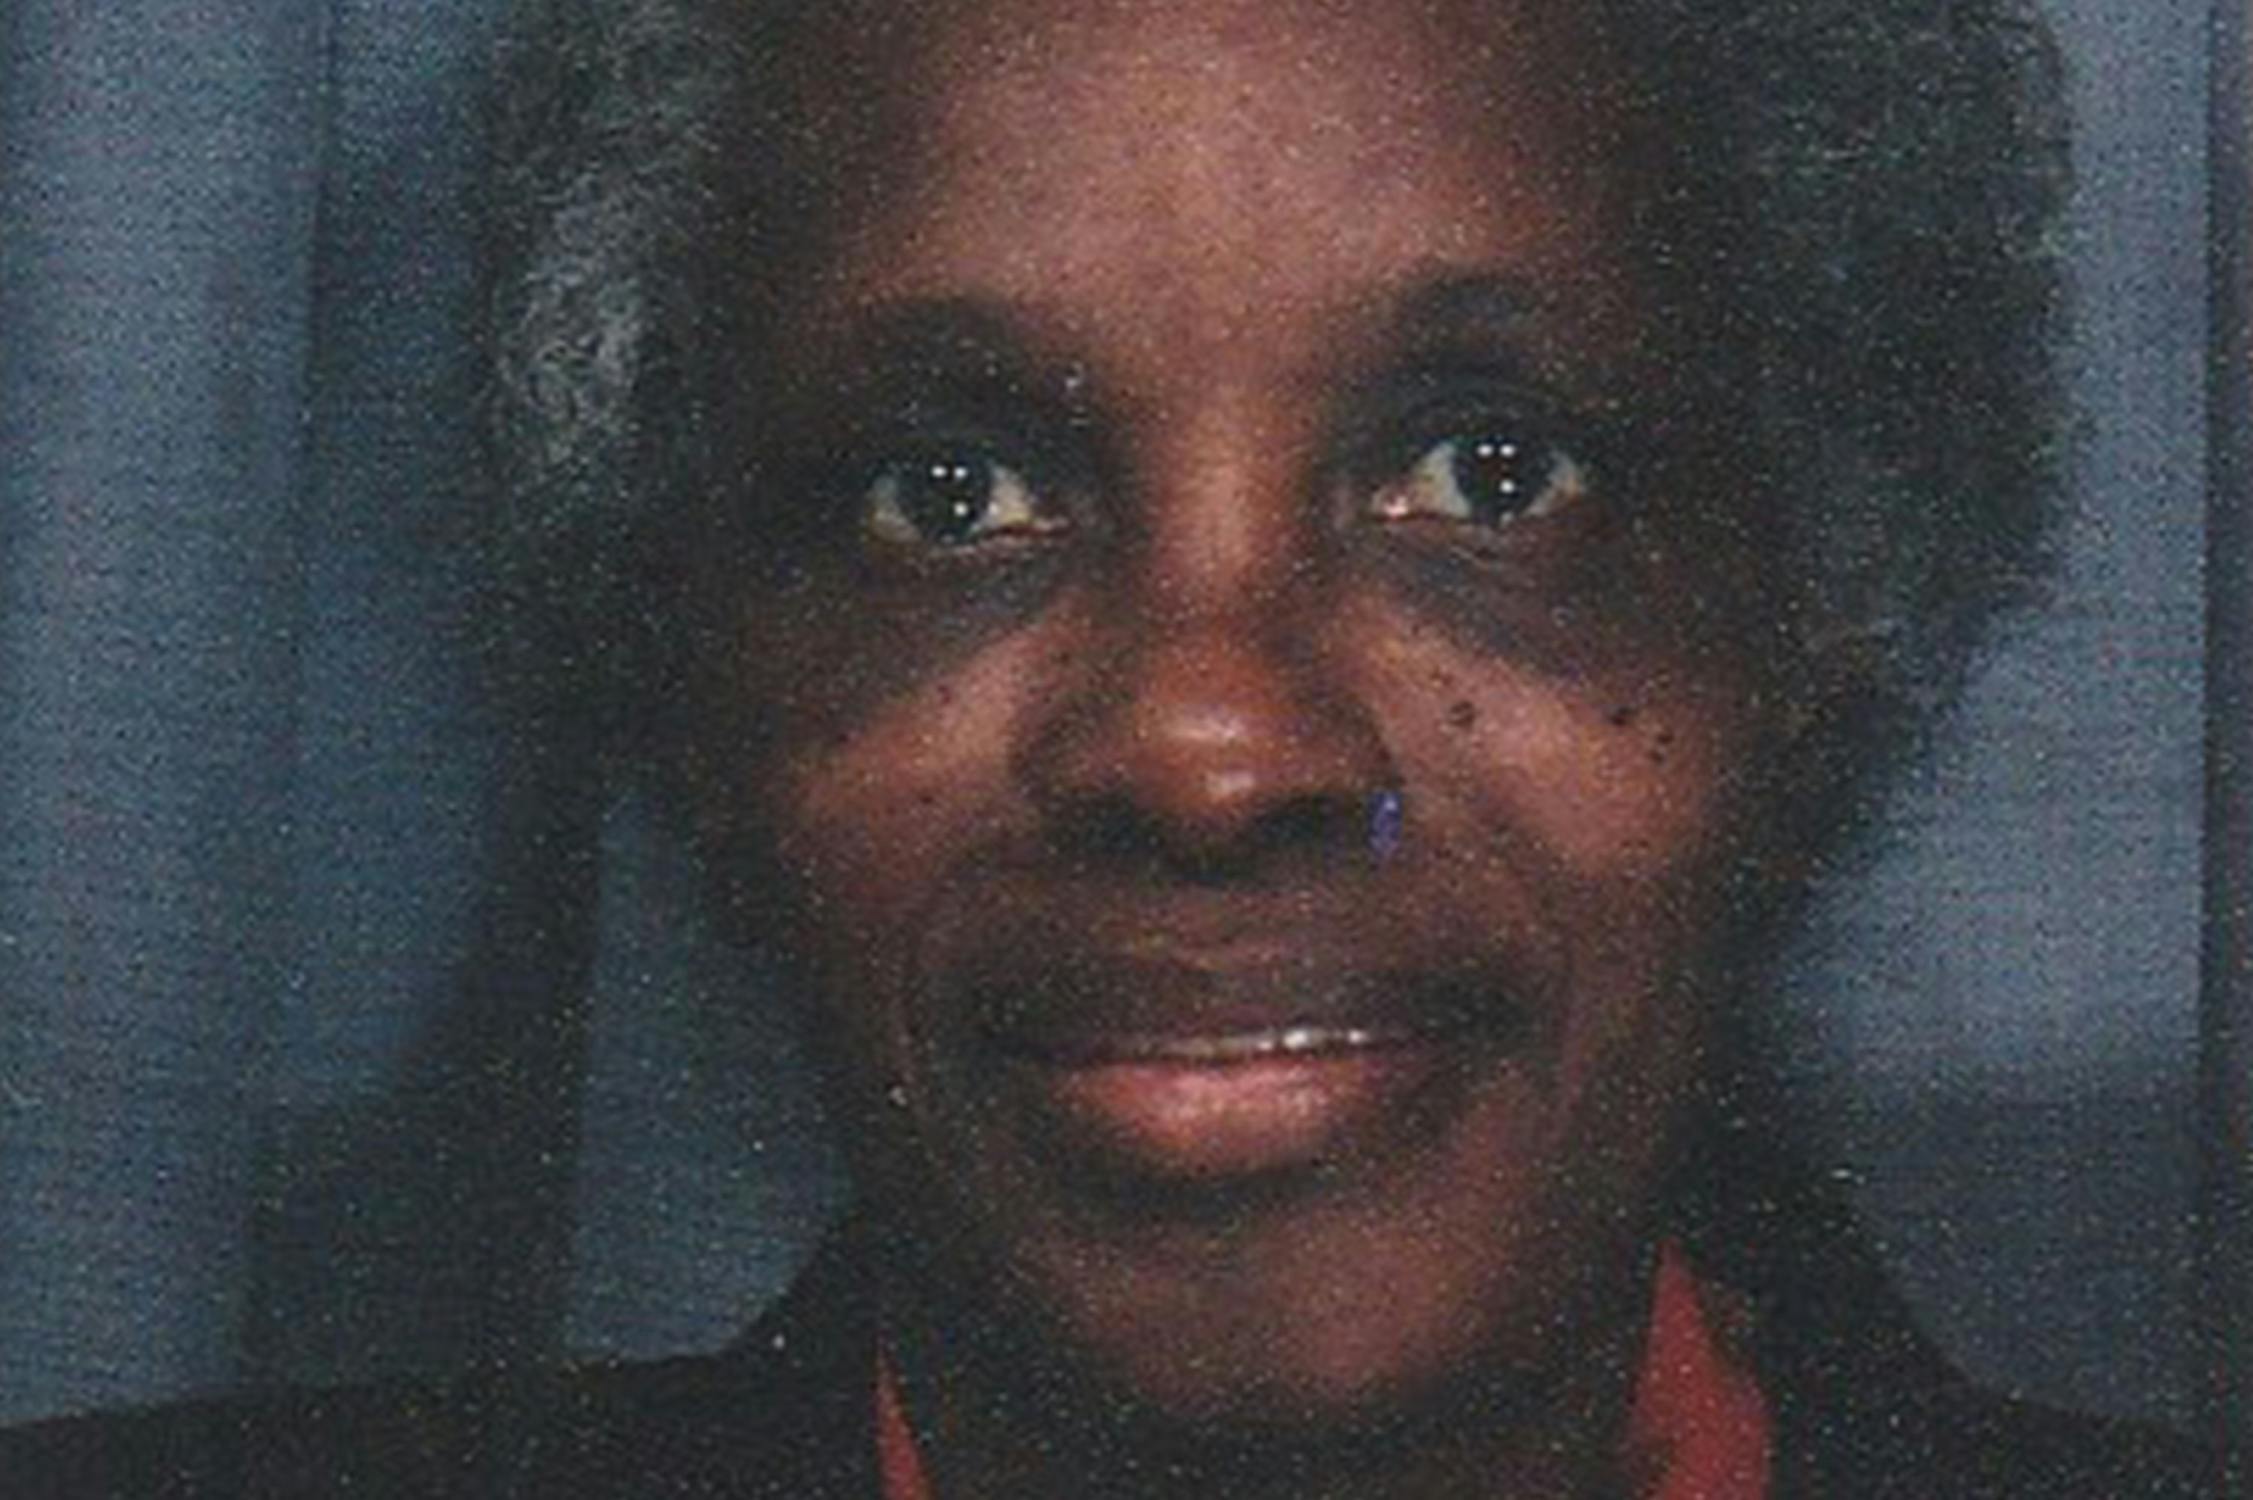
1191	1120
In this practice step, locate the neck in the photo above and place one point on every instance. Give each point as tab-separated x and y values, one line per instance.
998	1426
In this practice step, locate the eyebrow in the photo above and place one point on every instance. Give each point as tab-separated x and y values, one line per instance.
1466	310
966	343
1519	325
985	347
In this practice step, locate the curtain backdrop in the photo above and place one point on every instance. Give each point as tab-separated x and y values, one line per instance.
344	1029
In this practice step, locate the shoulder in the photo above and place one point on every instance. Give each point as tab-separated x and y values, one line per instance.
1991	1446
705	1427
785	1412
1866	1407
1950	1440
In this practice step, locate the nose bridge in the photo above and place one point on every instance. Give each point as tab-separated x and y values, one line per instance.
1217	719
1222	495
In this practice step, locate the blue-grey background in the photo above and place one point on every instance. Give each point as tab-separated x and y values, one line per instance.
286	1091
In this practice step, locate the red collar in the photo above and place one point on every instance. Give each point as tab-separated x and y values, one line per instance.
1699	1430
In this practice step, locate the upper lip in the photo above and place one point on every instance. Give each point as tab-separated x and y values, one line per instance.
1087	969
1203	988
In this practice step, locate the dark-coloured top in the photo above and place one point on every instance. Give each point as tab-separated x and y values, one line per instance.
786	1412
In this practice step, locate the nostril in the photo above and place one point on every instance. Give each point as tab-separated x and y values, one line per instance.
1119	831
1109	830
1308	822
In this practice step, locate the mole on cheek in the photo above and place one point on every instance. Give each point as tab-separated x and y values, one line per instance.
1463	714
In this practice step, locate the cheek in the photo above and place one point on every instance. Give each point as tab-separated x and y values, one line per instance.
836	815
1604	797
1610	778
874	799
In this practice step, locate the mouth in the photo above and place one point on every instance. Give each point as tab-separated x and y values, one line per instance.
1184	1072
1300	1040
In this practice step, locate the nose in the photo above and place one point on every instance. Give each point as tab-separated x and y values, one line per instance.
1218	744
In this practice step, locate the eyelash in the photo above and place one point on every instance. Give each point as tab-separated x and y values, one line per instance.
1398	454
894	513
874	469
1386	454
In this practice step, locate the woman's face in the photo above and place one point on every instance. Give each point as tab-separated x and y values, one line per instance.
1238	749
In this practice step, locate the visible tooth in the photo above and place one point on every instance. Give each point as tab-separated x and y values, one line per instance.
1288	1041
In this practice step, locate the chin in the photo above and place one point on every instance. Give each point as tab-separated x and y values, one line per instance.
1442	1267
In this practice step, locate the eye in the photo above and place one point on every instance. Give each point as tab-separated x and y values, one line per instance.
1485	478
948	498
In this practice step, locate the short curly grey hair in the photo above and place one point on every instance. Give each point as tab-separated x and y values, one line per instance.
1862	194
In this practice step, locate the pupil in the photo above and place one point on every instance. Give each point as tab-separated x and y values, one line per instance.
945	498
1500	477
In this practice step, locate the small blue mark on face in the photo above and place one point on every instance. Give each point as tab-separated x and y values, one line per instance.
1384	824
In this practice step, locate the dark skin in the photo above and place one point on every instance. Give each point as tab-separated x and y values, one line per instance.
1193	426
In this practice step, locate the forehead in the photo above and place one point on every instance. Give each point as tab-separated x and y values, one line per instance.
1194	168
